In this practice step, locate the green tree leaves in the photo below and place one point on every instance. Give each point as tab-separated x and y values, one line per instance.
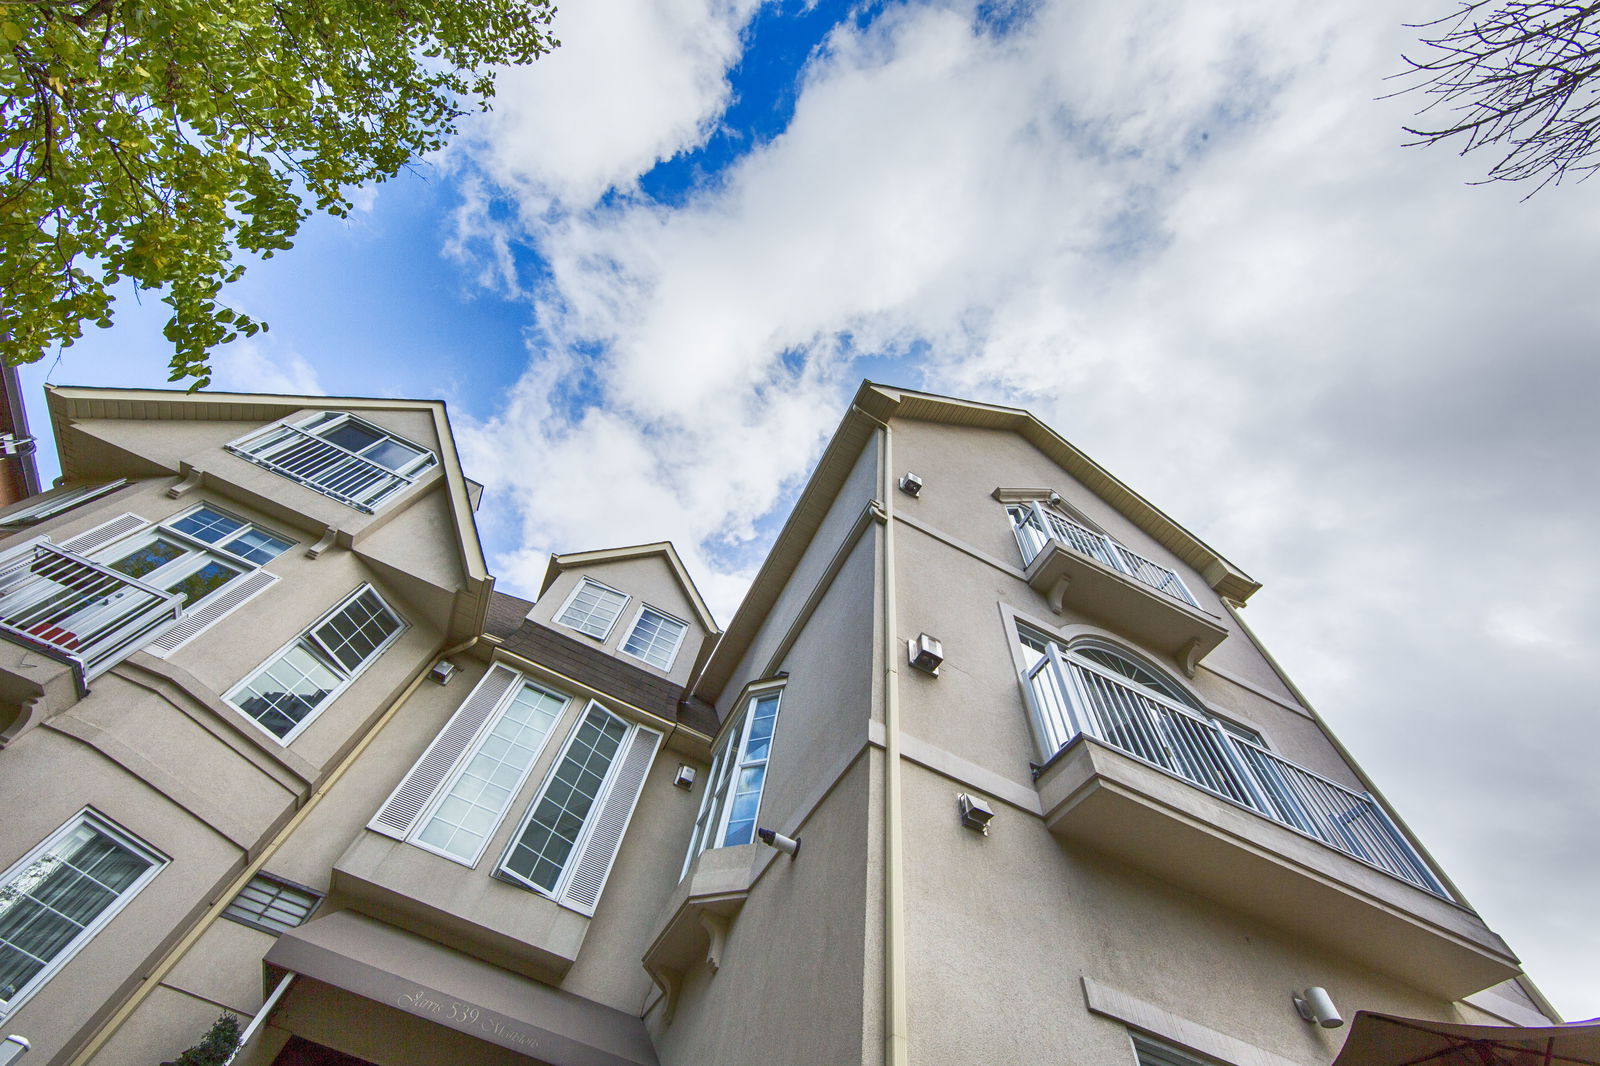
153	140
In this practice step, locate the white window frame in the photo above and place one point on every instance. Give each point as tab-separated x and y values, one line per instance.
720	788
677	645
573	595
559	889
104	825
442	792
349	676
199	551
251	448
62	501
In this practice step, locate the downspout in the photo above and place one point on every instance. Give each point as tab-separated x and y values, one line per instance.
181	948
896	1050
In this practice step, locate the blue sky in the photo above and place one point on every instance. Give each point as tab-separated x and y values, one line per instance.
1187	236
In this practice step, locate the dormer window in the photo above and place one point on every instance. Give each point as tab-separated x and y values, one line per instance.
339	455
655	638
593	609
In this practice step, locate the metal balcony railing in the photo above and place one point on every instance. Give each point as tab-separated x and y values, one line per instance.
64	604
323	466
1035	527
1069	698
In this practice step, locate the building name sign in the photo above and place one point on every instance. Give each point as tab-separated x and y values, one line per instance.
468	1018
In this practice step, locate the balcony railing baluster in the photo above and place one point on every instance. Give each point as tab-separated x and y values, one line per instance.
62	603
1047	525
1068	697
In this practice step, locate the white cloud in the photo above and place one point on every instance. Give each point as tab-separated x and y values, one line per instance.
1184	235
634	82
257	365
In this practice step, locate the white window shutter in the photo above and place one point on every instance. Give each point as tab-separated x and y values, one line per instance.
92	540
232	595
400	811
593	864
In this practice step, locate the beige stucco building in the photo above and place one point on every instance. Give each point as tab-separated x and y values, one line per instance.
273	745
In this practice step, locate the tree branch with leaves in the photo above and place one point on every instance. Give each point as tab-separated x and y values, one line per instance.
156	140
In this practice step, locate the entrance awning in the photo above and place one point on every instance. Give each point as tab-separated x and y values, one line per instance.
1385	1040
379	962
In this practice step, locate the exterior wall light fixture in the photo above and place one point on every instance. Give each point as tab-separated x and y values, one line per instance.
1315	1005
442	672
911	485
790	846
926	653
975	813
684	779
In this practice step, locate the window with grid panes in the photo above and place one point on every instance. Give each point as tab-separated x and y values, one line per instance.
542	848
593	609
272	905
732	799
655	638
60	894
469	808
286	692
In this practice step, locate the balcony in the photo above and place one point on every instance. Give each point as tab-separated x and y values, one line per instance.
1161	787
71	608
81	614
1072	565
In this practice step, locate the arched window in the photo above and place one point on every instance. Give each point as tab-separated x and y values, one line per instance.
1133	670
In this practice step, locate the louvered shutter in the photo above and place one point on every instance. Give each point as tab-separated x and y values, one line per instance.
593	863
399	812
92	540
232	595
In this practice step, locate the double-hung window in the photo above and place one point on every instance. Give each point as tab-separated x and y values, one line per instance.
567	841
656	637
339	455
592	609
732	798
286	692
62	893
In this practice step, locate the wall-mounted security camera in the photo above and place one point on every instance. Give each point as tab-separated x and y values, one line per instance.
684	778
911	485
790	846
1315	1005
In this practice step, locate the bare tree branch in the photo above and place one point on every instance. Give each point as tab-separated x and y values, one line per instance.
1517	76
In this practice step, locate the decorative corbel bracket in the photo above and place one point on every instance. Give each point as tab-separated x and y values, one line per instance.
1058	594
670	982
328	533
191	481
716	927
1189	657
25	718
